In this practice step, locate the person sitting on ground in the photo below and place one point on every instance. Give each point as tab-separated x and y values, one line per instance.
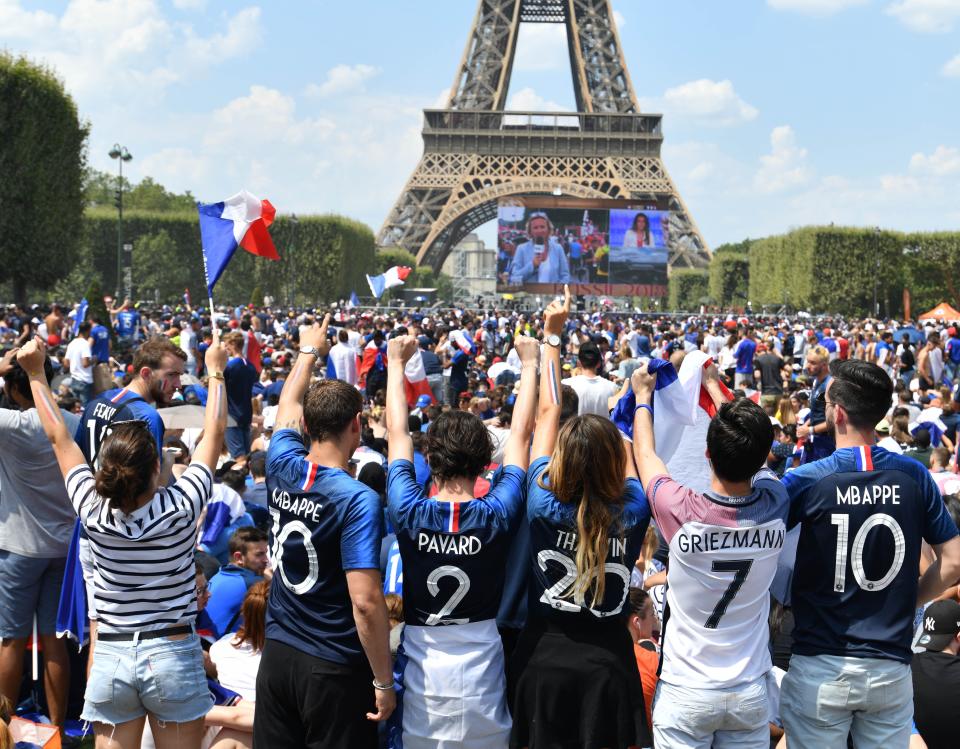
248	563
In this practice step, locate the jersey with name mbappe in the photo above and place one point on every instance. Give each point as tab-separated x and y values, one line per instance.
863	512
454	553
553	551
723	556
324	524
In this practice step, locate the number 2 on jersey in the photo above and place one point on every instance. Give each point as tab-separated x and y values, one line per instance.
742	568
433	585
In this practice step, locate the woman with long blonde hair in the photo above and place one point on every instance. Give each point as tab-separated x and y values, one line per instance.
573	679
785	413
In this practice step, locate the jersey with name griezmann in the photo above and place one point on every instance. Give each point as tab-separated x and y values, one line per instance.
723	556
863	512
454	553
324	523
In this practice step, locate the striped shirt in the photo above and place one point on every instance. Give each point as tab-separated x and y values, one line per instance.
144	574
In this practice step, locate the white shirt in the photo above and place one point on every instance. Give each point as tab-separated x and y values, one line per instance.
344	359
188	342
77	350
237	665
594	394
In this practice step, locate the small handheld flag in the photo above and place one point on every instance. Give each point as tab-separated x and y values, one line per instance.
394	276
354	300
239	221
81	315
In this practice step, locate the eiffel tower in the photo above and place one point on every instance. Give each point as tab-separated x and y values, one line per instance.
475	153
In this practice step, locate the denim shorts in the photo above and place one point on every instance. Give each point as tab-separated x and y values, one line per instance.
161	677
30	584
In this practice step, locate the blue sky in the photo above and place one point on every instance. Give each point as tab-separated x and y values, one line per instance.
777	113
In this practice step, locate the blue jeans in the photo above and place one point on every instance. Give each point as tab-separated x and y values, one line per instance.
238	441
825	697
951	369
688	718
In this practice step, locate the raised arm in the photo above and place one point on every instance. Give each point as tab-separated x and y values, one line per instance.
290	410
399	442
548	412
517	451
215	417
711	382
31	358
644	443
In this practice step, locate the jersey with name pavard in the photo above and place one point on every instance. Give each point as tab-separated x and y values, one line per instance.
454	553
863	512
323	524
723	557
553	550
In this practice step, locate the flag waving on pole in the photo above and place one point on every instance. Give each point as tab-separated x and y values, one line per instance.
354	300
239	221
395	276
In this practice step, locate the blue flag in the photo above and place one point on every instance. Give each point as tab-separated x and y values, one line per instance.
81	315
354	300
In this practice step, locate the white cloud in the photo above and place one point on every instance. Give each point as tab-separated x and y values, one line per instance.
541	47
926	16
242	34
952	68
815	7
190	4
263	117
19	23
785	167
709	103
942	162
528	100
343	79
619	19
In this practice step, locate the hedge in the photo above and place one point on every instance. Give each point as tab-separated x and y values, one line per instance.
323	258
729	272
688	289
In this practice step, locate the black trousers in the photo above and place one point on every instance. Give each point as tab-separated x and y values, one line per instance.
307	702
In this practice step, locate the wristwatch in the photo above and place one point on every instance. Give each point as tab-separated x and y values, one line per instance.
553	340
309	350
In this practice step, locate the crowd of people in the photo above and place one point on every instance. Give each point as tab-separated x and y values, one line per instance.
481	528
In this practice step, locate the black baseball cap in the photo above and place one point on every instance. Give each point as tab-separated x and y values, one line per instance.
941	623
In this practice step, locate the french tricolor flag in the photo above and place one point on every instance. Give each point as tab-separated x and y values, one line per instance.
394	276
239	221
462	340
415	380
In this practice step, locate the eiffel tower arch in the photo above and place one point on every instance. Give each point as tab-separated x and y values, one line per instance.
475	153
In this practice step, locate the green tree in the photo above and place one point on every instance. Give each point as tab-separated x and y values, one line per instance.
152	196
729	279
156	272
688	289
42	158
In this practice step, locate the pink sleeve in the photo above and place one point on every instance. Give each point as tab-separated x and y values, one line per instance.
667	499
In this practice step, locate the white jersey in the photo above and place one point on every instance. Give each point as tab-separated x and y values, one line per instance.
723	557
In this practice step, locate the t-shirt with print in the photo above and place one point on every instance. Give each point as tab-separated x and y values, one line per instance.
553	549
324	524
454	553
723	556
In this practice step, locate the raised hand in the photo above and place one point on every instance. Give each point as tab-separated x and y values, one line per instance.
556	314
401	348
316	336
528	349
643	382
215	358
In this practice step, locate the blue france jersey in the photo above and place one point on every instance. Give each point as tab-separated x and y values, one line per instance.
553	550
109	408
863	512
454	554
324	523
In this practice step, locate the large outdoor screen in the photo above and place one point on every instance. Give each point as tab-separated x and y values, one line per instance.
598	249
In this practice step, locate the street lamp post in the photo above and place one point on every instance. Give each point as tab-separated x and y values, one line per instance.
121	154
876	276
291	285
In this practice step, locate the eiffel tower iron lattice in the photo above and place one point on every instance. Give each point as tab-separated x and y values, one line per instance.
476	153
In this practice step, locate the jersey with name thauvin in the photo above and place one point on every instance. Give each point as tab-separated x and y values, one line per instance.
553	551
723	556
323	524
863	512
454	553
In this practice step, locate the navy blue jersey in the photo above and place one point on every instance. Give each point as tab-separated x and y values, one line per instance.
239	377
863	512
553	550
454	553
324	523
109	408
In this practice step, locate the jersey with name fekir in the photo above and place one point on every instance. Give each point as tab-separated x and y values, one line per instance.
324	523
109	408
454	553
723	556
553	548
863	512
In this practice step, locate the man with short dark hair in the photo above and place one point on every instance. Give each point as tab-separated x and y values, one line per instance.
863	514
769	374
936	676
240	377
80	362
593	390
920	450
343	358
724	546
248	563
327	629
257	494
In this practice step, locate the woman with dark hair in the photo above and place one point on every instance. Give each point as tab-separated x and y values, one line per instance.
148	660
573	675
450	665
638	235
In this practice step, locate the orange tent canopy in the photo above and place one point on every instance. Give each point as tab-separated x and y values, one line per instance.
942	311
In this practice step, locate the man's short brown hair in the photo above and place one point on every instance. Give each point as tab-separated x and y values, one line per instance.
151	353
328	408
233	339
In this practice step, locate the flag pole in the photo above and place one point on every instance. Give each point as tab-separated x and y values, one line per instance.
206	277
